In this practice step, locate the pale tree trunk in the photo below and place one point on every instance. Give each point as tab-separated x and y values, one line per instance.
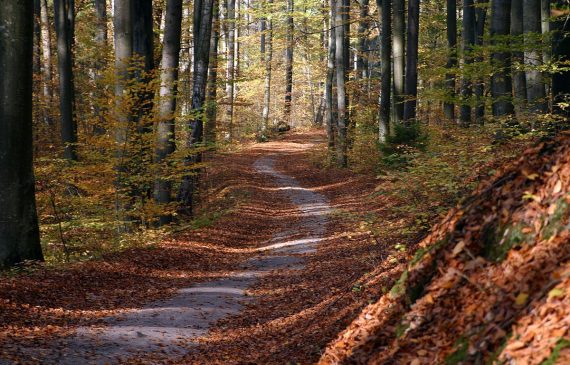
468	42
203	14
412	60
212	87
288	63
519	78
479	88
165	137
267	57
330	100
230	23
385	6
123	28
47	63
546	54
19	232
399	57
534	79
501	84
363	28
449	106
64	31
341	18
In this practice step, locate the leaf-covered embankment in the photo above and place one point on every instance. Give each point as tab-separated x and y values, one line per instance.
488	284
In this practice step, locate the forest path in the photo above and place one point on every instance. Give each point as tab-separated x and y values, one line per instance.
169	328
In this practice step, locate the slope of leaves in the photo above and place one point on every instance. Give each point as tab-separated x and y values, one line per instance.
486	282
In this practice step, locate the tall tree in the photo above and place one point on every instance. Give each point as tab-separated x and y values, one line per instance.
534	79
385	6
203	14
165	143
267	57
64	25
449	107
411	90
399	56
230	28
19	232
468	42
47	63
363	25
501	84
330	100
99	64
341	18
561	50
481	14
519	78
289	62
212	87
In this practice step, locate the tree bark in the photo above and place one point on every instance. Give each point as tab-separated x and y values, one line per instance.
288	63
363	29
481	13
212	87
47	68
341	75
412	61
203	14
519	78
561	50
385	54
399	57
330	100
64	31
468	42
501	84
230	23
19	232
534	79
267	57
99	64
449	106
165	138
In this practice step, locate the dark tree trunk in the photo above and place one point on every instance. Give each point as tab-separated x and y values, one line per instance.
519	78
64	31
412	60
267	55
481	13
289	63
165	142
468	42
99	64
449	106
203	14
501	84
385	54
561	50
19	232
534	79
330	100
212	87
37	37
399	57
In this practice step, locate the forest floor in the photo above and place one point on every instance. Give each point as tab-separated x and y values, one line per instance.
282	261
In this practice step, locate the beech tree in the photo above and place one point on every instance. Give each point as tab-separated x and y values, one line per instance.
534	80
449	107
399	56
501	84
289	62
385	7
19	231
411	90
468	42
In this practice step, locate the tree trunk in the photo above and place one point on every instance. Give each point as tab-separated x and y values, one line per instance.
449	106
165	138
230	70
212	87
203	14
64	32
47	71
288	63
501	84
534	80
399	57
363	29
481	13
330	100
468	42
519	78
385	54
561	50
341	71
267	55
19	232
412	60
99	64
37	37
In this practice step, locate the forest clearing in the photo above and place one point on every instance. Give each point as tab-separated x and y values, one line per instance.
285	182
